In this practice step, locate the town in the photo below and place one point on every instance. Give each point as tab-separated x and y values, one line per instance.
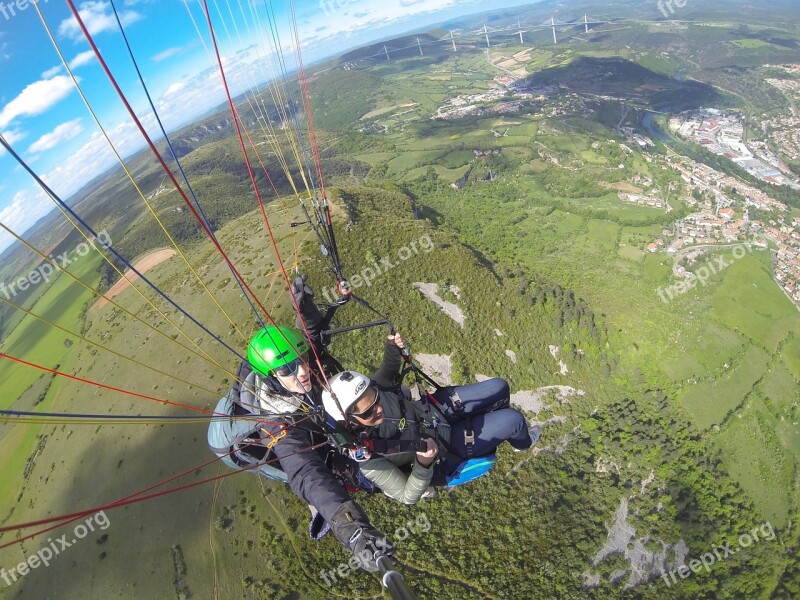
727	212
722	132
730	212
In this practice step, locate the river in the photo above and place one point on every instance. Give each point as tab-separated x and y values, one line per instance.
647	122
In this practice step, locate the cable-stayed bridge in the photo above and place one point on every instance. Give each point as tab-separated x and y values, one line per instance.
561	31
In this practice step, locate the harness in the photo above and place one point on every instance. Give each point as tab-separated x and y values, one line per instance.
361	448
243	443
453	413
238	442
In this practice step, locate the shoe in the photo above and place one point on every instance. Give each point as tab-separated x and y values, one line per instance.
429	493
535	431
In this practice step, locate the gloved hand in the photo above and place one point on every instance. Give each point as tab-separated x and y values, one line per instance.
351	526
301	290
308	316
370	545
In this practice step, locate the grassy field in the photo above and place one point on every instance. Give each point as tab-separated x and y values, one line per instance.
411	160
714	346
750	44
35	341
754	453
38	342
791	354
457	158
86	465
449	175
711	403
376	157
747	301
726	357
724	348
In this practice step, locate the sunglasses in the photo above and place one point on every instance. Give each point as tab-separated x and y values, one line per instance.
290	368
370	410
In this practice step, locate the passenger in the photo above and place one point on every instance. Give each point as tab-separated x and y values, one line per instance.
419	442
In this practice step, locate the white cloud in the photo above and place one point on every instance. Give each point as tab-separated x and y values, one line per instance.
51	72
98	17
36	98
187	99
25	209
166	54
12	136
62	133
95	156
175	88
82	59
341	19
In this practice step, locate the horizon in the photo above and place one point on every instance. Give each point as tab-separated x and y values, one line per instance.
43	118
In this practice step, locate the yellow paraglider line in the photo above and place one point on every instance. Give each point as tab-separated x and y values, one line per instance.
101	347
132	180
115	304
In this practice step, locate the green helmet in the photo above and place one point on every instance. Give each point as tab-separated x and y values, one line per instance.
274	347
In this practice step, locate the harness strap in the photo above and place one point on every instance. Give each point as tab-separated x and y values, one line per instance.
469	434
368	448
469	437
246	444
402	402
274	439
389	447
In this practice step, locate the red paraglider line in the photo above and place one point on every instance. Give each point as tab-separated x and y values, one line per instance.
307	102
236	121
120	390
135	497
164	166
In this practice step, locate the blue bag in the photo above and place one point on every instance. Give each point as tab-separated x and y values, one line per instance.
471	469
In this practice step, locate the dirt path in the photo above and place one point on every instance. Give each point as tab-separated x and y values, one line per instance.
145	264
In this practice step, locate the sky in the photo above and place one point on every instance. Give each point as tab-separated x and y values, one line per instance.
44	119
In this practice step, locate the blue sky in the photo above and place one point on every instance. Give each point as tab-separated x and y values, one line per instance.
44	119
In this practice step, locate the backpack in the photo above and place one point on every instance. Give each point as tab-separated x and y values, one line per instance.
230	439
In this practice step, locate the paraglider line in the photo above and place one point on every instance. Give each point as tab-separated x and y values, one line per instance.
160	159
110	247
258	194
137	496
175	156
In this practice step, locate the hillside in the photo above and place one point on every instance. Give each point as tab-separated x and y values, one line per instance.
526	211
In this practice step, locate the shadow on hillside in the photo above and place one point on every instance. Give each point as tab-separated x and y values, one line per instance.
136	556
402	47
622	78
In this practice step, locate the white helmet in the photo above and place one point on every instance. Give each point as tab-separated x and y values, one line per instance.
348	387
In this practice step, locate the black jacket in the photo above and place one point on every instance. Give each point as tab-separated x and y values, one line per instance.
309	476
418	418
